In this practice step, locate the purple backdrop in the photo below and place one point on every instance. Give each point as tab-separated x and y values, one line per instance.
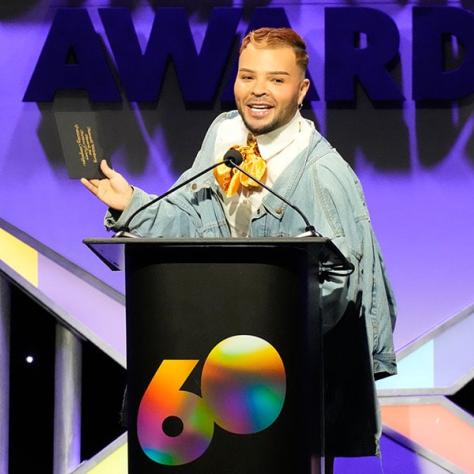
416	165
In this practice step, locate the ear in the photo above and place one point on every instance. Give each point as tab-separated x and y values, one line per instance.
304	86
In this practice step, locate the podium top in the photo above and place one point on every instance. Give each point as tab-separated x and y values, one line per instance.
112	250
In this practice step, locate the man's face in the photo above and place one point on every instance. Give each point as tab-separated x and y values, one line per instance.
268	88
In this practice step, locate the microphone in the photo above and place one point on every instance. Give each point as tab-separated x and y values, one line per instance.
231	159
234	159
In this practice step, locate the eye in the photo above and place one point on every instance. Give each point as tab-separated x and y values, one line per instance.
246	77
278	80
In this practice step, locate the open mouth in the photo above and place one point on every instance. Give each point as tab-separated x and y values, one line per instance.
258	110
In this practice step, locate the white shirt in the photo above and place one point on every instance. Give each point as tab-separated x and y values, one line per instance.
278	148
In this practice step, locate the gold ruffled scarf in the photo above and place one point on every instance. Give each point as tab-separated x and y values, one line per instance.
231	179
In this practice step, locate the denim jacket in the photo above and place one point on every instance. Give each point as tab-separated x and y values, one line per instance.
326	189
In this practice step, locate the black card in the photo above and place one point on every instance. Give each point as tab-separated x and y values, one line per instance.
79	137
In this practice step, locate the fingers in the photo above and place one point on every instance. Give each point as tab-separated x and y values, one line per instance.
90	185
106	169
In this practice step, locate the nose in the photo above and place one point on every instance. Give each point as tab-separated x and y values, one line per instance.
259	88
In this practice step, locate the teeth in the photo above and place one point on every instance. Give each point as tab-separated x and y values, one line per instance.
258	111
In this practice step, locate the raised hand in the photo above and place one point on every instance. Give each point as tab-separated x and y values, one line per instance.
113	190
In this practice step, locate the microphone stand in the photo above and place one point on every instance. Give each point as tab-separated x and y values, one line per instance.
233	159
125	230
310	231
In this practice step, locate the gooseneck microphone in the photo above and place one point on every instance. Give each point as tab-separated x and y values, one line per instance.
229	159
233	158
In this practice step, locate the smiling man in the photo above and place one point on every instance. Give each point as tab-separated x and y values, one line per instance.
290	155
271	83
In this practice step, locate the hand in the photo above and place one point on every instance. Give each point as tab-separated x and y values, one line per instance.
113	190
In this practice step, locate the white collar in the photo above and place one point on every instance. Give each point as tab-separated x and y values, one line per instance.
272	143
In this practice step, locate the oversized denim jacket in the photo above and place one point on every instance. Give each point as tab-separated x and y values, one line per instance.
326	189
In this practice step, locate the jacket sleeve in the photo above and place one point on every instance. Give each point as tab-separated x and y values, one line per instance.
168	218
343	203
178	214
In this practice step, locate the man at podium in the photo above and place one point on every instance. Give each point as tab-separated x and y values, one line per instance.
284	151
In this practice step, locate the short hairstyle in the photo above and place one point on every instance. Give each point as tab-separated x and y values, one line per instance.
278	37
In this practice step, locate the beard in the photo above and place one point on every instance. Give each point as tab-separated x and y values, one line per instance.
278	120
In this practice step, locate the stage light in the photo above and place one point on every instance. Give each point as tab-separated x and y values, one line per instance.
29	359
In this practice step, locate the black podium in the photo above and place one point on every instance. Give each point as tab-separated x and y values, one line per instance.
223	352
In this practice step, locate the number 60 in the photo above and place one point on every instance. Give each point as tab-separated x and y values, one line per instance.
243	386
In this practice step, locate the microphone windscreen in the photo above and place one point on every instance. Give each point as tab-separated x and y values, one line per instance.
233	157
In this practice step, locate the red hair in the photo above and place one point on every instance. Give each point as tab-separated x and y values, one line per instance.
277	38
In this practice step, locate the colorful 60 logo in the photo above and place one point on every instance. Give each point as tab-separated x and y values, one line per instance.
243	387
